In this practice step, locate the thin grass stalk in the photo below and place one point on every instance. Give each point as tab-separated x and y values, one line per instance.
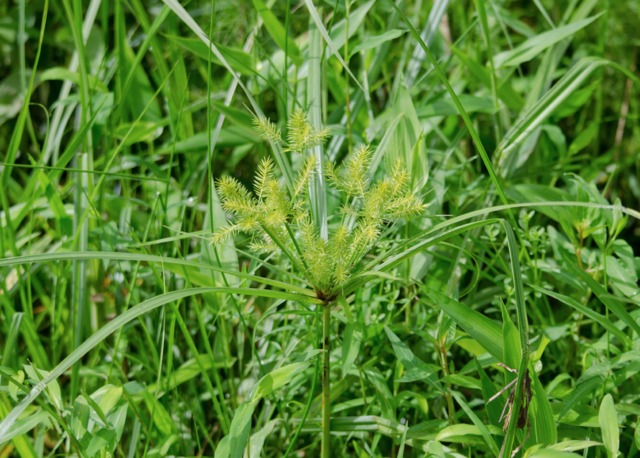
523	329
307	408
317	185
326	382
486	32
80	296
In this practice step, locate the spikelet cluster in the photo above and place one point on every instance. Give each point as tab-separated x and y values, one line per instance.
280	221
302	135
264	213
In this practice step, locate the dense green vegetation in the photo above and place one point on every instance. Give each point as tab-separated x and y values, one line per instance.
304	228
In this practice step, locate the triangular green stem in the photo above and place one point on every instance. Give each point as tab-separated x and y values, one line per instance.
326	381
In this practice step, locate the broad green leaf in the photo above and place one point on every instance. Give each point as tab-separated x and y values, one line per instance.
139	99
509	96
118	420
579	98
510	340
622	275
445	106
538	43
60	73
231	135
257	439
543	425
351	345
608	418
107	397
159	415
486	331
489	390
407	143
53	390
573	445
276	379
385	398
224	447
137	132
464	381
52	193
377	40
385	426
97	415
580	394
239	431
188	371
102	440
460	433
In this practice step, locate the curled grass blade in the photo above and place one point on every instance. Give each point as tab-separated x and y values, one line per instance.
428	238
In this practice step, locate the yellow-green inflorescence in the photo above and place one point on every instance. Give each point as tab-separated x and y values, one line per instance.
281	222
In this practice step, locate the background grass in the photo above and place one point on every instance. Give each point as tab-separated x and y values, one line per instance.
116	117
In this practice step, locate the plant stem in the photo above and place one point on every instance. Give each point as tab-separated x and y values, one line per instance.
326	382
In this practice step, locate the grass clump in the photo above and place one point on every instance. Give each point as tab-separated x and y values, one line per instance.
463	330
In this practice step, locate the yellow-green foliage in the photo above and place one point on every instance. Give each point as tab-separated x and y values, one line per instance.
280	222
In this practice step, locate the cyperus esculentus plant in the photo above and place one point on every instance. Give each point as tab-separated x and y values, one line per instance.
279	218
280	222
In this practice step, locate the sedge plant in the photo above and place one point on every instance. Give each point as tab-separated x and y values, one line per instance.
279	219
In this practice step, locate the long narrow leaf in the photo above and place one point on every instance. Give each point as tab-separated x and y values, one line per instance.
313	12
137	257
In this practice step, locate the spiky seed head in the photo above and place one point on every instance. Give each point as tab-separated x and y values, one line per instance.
302	135
304	175
266	129
234	196
263	175
222	234
355	180
269	215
